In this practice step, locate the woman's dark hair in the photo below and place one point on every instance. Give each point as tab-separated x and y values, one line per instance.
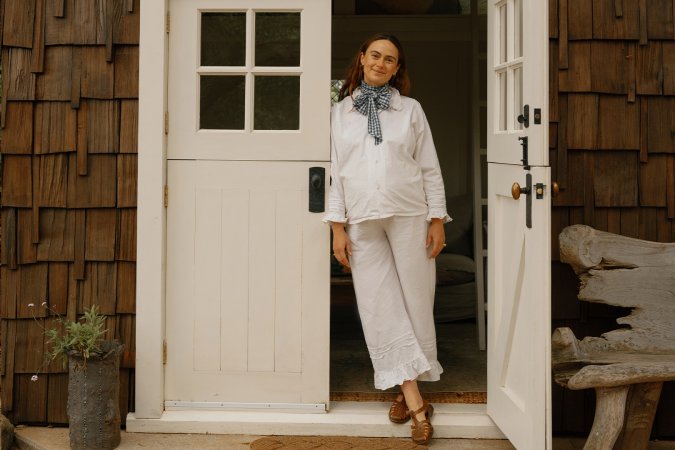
400	80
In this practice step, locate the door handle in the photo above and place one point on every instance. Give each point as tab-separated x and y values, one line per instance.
516	190
317	179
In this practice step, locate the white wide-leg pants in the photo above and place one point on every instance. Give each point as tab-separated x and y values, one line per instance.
394	282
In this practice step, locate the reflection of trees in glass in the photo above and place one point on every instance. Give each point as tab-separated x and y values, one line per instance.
277	39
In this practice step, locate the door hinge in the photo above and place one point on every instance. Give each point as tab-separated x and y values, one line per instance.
168	22
166	195
166	122
164	352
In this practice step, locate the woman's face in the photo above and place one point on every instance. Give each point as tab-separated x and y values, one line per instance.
380	62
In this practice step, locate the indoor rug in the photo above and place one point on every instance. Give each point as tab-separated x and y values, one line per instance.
333	443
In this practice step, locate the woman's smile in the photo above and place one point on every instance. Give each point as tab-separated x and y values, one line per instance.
380	62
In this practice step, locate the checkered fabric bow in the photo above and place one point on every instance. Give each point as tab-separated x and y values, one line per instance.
368	102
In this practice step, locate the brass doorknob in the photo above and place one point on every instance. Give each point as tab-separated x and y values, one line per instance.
555	189
516	190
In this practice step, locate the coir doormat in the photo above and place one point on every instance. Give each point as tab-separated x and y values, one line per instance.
333	443
432	397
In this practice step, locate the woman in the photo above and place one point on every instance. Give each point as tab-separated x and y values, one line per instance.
387	209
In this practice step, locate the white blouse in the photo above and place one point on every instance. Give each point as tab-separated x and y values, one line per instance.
399	177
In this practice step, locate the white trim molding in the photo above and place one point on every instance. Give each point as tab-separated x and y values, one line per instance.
151	215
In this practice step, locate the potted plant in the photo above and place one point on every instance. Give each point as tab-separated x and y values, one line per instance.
93	379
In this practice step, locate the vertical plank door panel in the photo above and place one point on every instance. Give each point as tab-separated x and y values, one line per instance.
262	295
288	312
235	280
208	292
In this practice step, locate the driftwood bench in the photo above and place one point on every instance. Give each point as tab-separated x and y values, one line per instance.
627	366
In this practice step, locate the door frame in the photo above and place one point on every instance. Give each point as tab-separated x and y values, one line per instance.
151	263
151	213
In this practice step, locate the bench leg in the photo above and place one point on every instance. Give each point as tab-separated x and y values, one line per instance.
642	402
610	405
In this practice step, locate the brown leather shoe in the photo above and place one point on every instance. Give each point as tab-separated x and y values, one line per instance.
398	412
422	430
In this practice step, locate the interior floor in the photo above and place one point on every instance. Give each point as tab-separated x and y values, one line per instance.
351	372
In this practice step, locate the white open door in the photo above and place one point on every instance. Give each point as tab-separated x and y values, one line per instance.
519	228
247	291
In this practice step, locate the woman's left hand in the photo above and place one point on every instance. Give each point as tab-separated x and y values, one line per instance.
435	237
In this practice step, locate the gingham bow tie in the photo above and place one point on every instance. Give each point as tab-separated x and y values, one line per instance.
368	102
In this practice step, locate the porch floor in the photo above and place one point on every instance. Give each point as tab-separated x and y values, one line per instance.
44	438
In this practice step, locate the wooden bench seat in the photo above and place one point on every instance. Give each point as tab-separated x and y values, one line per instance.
627	366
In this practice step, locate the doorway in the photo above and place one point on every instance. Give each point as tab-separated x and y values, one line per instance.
445	44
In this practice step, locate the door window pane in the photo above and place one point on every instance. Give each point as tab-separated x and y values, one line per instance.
502	101
221	102
277	103
518	16
517	97
503	33
223	39
277	39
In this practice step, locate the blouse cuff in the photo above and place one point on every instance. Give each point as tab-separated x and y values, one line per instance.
439	215
334	217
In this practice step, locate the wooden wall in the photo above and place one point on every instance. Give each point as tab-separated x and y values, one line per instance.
612	148
69	119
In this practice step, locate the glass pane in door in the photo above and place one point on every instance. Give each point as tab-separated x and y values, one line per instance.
223	39
277	103
221	102
277	39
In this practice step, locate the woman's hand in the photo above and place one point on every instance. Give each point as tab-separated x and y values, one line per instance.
435	237
342	248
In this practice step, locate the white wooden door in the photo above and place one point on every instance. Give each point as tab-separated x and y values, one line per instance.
519	399
247	314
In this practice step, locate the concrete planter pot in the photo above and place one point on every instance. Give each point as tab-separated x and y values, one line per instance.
93	399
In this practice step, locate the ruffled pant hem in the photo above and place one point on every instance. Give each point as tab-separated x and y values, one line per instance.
420	369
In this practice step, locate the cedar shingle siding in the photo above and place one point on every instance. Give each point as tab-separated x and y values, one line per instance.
70	117
69	176
612	148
